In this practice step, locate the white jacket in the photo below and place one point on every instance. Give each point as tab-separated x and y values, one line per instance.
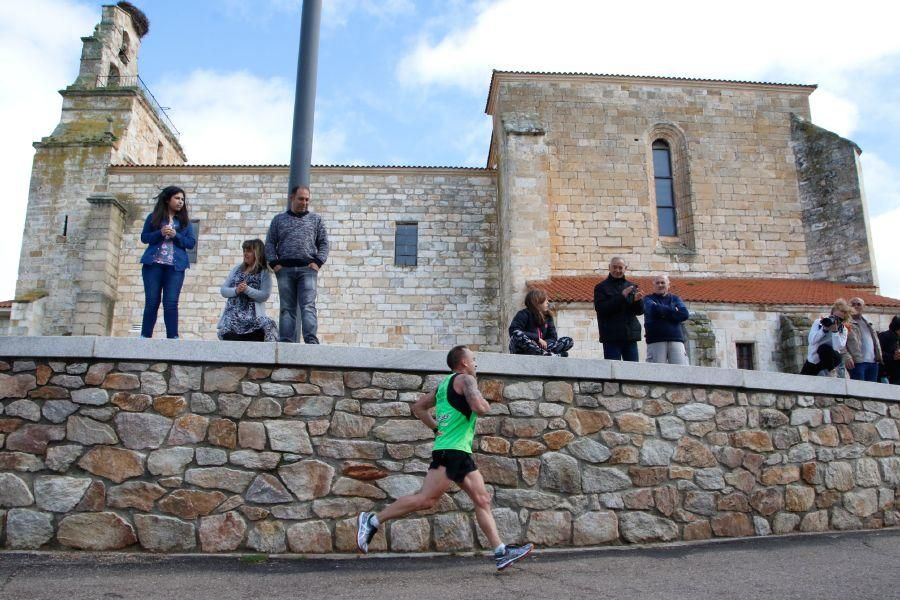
258	296
818	335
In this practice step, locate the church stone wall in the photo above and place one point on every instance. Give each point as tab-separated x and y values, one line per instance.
743	194
449	298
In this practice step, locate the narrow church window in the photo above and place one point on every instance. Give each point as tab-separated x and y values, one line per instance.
192	253
123	51
159	153
665	190
745	356
113	79
406	244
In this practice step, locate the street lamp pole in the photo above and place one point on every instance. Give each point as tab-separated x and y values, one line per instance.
305	96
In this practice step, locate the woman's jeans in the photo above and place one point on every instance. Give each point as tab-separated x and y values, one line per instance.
165	282
297	285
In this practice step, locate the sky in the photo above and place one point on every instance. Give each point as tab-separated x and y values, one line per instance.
404	82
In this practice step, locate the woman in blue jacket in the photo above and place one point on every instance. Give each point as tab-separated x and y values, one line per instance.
532	330
168	234
663	315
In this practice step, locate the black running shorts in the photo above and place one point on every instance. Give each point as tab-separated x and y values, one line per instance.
458	463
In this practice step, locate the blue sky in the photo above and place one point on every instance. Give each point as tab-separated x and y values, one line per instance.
405	82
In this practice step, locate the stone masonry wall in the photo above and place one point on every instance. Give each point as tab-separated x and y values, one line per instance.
450	297
834	207
165	456
743	199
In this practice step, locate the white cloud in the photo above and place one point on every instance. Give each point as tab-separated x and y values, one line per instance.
239	118
834	113
882	184
885	229
655	37
40	44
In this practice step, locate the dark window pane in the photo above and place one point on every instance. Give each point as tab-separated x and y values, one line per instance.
661	166
666	217
664	196
744	356
406	238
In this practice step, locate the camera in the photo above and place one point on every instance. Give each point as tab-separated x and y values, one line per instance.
830	320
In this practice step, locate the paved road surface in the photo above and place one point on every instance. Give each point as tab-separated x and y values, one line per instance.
849	566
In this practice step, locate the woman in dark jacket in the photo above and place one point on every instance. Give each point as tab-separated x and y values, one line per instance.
169	235
890	351
532	330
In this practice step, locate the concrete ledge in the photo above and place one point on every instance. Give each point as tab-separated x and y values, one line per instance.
48	346
430	361
637	371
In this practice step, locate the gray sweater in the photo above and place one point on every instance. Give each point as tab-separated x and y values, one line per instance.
295	240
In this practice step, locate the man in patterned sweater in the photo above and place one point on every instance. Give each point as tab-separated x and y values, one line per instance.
296	248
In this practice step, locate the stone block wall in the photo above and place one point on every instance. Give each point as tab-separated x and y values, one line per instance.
178	456
450	297
736	154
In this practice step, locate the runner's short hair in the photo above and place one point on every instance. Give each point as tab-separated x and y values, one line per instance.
455	356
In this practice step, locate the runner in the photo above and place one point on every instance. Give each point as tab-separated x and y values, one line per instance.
455	401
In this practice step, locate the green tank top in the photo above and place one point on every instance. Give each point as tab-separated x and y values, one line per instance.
455	419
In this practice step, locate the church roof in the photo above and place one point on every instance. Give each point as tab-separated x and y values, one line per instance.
803	292
635	78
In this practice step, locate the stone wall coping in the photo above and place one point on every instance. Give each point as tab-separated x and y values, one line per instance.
430	361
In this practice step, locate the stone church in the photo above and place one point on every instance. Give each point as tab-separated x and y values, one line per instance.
757	214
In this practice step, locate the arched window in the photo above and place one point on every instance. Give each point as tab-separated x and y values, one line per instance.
125	48
113	79
665	189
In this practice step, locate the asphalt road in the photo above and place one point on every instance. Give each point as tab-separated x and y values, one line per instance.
848	566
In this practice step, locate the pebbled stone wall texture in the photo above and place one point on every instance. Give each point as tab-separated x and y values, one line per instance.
174	457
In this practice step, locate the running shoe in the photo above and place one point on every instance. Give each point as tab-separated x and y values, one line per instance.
511	554
365	532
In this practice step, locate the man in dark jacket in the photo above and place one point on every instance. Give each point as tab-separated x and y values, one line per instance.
296	248
663	315
618	302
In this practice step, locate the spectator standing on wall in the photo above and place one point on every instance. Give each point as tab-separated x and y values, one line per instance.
863	349
617	302
168	234
890	351
532	330
664	313
827	341
296	249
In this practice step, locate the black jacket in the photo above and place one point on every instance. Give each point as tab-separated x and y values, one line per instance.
524	321
617	315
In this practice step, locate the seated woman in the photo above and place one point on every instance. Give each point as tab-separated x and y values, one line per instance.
532	330
828	341
247	288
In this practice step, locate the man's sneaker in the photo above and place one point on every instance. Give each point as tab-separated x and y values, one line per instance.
511	554
311	339
365	532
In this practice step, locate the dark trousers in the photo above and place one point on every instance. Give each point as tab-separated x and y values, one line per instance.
620	351
161	282
866	371
257	335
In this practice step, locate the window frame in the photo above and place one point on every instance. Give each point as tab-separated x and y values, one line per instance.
402	242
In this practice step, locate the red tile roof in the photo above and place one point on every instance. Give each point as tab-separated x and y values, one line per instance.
6	303
807	292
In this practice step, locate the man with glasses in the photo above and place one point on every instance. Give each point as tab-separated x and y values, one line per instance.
863	353
617	303
663	315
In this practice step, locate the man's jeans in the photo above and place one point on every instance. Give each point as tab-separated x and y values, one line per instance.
165	281
867	371
297	285
620	351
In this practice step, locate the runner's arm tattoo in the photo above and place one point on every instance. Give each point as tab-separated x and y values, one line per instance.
473	396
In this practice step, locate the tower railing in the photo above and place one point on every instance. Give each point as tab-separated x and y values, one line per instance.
135	82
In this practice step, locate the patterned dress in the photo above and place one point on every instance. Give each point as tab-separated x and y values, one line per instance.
239	317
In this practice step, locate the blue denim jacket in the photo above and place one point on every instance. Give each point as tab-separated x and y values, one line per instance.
184	240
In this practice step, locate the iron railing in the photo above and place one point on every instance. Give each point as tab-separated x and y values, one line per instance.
135	81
